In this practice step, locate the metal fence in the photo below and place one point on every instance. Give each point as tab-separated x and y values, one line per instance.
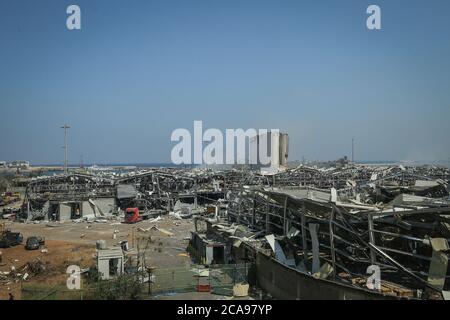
217	279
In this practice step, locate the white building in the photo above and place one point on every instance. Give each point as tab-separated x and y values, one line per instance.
19	164
278	144
110	262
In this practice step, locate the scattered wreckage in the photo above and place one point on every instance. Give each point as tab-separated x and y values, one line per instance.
93	196
312	243
355	232
9	238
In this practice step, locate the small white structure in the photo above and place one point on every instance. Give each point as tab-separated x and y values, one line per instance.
110	262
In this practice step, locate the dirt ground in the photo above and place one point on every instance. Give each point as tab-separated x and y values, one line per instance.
56	258
74	243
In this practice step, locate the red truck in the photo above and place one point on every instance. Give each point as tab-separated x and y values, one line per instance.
132	215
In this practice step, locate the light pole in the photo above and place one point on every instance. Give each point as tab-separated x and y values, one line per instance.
353	150
65	127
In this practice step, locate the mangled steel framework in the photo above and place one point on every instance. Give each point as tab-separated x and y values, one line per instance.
320	224
155	189
318	235
395	219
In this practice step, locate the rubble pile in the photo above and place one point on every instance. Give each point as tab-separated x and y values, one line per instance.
333	223
395	218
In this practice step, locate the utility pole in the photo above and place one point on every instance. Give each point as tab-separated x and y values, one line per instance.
65	127
353	155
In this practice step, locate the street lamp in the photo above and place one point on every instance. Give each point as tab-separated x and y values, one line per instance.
65	127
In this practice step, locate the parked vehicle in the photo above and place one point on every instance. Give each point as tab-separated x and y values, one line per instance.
34	243
10	239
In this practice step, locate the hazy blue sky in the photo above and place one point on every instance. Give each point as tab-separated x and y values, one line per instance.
139	69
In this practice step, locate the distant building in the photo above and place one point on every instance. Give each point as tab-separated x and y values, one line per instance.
2	164
342	162
19	164
278	144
